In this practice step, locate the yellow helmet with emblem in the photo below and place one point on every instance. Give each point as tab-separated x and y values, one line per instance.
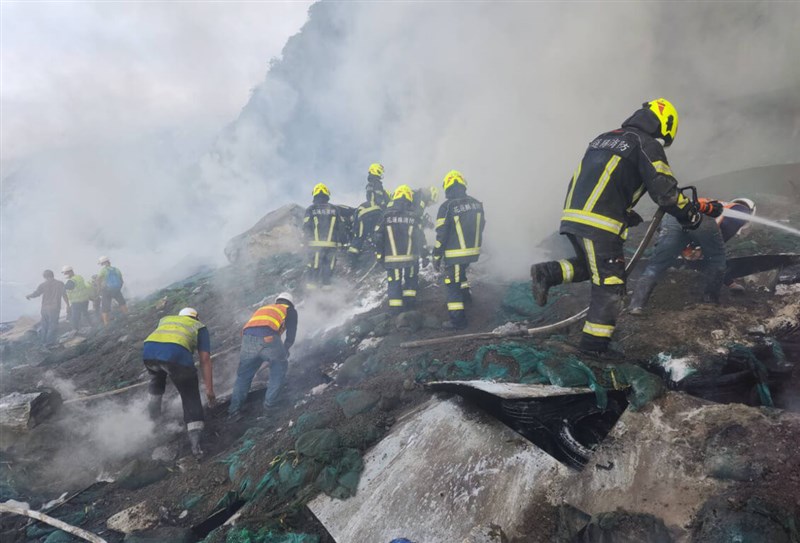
320	188
376	170
453	177
403	191
667	116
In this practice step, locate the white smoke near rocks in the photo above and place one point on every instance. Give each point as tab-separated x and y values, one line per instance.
509	93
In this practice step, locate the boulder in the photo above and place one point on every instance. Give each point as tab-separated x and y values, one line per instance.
19	412
141	516
280	231
140	473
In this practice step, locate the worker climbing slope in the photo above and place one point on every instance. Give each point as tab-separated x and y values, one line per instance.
168	352
616	170
79	293
323	230
459	235
400	242
110	280
261	342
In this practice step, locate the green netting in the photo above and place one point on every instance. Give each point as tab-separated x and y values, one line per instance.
244	535
340	479
536	365
645	386
322	445
60	536
234	461
354	402
312	421
745	354
518	303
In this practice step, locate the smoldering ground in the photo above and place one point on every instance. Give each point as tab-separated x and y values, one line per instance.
509	93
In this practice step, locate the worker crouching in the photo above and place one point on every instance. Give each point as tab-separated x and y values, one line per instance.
459	235
168	352
400	242
261	342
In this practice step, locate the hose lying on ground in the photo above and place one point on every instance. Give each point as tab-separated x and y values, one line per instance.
61	525
651	230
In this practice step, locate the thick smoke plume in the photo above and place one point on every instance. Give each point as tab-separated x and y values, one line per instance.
509	93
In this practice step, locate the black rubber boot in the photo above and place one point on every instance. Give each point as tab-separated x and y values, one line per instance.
541	281
154	407
194	440
644	288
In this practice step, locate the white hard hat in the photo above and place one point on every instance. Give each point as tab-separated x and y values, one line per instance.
188	312
66	269
284	296
746	201
103	259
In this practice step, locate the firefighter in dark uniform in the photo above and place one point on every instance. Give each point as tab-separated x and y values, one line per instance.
369	213
322	227
399	244
617	169
423	199
459	234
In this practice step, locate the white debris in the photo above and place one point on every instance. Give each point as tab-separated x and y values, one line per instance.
718	334
319	389
139	517
369	343
678	368
53	503
510	328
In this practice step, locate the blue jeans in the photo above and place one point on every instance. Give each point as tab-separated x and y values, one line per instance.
672	239
254	353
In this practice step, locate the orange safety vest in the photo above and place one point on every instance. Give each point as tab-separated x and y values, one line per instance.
272	316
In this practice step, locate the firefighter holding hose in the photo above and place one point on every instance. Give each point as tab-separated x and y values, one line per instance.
616	171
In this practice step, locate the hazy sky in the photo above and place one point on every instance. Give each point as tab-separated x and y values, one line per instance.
74	70
101	103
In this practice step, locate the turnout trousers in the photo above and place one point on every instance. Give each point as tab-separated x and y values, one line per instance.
458	293
602	262
320	267
403	283
185	380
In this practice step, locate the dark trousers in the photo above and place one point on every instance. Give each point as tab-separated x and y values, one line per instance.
320	267
403	284
78	312
455	281
110	295
48	327
185	380
671	241
604	263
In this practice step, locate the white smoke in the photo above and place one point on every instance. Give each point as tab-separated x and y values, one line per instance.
509	93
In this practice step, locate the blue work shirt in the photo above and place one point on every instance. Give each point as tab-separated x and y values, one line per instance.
172	352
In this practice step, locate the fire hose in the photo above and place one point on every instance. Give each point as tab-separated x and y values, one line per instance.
648	236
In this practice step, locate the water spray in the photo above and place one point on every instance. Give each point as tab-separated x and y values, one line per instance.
733	214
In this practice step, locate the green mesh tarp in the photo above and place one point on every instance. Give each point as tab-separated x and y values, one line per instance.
312	421
244	535
234	461
644	386
536	366
746	355
518	303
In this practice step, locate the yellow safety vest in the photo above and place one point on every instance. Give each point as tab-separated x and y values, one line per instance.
179	330
82	292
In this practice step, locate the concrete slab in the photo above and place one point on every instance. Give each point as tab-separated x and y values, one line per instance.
445	469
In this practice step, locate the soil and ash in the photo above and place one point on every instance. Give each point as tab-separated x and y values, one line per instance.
349	381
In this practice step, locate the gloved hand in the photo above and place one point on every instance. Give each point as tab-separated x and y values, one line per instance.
634	219
692	217
211	399
379	257
425	261
712	208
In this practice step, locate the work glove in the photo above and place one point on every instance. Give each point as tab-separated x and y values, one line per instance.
712	208
211	399
692	217
633	219
379	257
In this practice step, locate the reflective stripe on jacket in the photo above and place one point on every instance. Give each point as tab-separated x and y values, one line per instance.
399	237
459	230
272	316
81	291
322	226
179	330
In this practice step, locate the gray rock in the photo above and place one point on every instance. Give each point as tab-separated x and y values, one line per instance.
165	453
133	519
140	473
19	412
161	535
277	232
